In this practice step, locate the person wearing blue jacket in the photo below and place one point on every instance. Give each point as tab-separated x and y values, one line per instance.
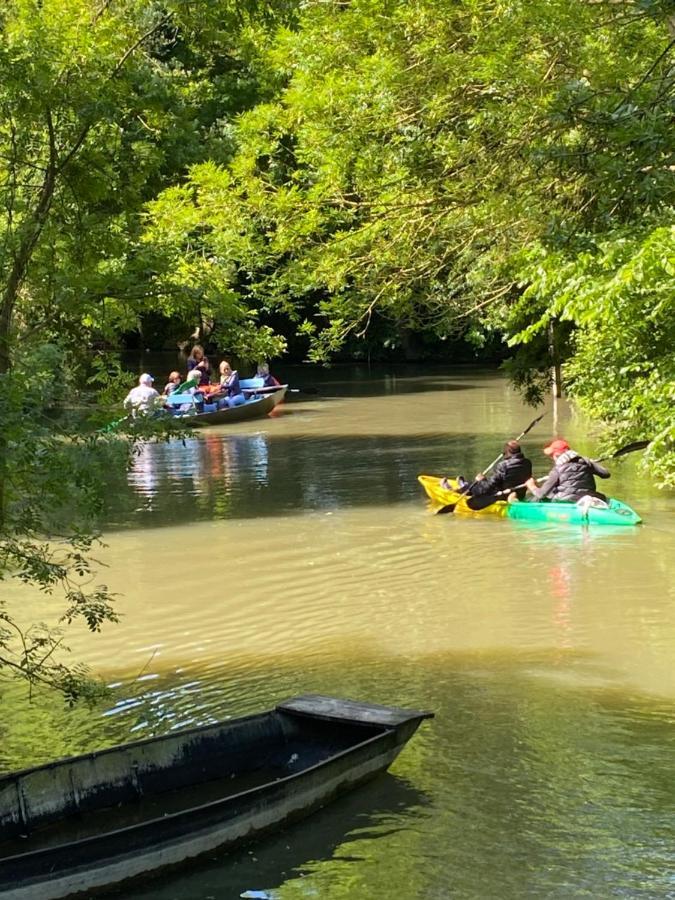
229	385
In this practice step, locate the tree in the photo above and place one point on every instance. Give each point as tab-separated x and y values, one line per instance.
101	104
619	296
417	160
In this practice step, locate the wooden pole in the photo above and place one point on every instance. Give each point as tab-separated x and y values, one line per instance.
556	374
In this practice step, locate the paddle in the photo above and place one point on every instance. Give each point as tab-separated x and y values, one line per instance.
478	503
450	507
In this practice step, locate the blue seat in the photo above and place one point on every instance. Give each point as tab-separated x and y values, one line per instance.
251	384
179	399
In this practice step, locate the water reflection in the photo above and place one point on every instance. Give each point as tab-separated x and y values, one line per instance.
299	556
341	835
195	477
517	788
221	475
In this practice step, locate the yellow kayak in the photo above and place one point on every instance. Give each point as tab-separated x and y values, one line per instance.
443	496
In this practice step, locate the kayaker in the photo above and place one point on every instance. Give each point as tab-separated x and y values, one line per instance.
229	384
142	399
197	360
572	476
512	471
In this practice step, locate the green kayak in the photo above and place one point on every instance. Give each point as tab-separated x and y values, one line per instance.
617	513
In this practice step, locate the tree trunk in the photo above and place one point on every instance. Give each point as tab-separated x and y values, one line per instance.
30	233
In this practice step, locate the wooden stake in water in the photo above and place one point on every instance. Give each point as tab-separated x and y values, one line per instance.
556	374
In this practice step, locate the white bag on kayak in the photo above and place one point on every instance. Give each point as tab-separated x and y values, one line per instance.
588	502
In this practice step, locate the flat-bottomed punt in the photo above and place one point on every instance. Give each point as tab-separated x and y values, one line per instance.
256	406
93	821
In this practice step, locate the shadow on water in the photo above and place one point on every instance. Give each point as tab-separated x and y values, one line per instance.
386	387
378	809
220	476
523	785
352	380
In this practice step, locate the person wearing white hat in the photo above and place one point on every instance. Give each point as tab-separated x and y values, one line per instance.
142	399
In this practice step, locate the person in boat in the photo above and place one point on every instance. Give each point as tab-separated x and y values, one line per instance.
229	385
172	383
571	478
263	371
142	400
194	394
511	472
197	360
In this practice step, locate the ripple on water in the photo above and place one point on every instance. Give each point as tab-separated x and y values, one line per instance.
256	566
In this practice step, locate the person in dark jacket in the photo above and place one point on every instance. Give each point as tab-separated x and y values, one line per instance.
571	478
514	470
197	360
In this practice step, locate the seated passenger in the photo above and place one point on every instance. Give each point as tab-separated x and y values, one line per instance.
197	360
194	397
172	383
571	477
142	400
193	379
512	471
229	385
263	372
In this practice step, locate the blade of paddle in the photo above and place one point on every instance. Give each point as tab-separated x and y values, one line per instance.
531	425
630	448
444	510
627	448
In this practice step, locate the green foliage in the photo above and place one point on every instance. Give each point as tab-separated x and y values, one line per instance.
449	169
363	170
101	106
620	297
52	486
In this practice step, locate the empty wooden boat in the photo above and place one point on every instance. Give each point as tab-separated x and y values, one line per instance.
96	820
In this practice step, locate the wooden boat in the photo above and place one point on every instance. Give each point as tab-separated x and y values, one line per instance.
617	513
84	823
256	406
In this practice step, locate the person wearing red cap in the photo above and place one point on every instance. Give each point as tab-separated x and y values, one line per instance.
572	476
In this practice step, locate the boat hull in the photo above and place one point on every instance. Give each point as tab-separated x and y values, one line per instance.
441	496
618	513
363	739
254	408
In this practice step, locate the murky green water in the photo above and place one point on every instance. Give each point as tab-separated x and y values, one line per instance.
297	554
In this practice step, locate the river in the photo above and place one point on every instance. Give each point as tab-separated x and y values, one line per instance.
297	554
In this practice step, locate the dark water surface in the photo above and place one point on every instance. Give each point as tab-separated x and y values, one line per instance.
297	554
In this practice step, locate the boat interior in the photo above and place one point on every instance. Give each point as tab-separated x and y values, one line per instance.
100	792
